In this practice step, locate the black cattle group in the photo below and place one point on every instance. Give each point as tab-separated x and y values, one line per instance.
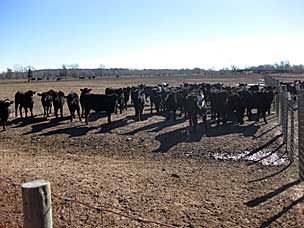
223	103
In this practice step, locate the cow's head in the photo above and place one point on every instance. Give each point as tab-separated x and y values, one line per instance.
42	94
85	90
60	93
6	103
30	93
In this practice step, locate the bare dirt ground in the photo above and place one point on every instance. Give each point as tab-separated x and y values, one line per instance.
152	169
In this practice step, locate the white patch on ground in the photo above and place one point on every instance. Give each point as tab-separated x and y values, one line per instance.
264	157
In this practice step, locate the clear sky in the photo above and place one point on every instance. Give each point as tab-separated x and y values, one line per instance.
150	33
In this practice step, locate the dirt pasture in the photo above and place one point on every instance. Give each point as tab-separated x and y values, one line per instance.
154	169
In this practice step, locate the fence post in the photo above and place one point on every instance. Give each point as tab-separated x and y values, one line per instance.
301	134
284	112
277	100
291	104
37	208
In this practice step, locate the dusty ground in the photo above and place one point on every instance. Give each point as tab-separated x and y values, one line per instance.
153	169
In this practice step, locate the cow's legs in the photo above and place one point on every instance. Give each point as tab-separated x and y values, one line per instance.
78	113
109	118
194	121
16	109
56	112
47	111
20	111
264	117
205	122
26	111
190	120
86	115
31	110
3	125
61	112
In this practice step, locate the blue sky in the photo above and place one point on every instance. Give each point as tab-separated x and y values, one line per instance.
150	33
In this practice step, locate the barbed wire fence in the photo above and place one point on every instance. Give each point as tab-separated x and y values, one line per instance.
286	105
68	202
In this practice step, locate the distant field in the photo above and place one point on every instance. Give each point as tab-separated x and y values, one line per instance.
153	169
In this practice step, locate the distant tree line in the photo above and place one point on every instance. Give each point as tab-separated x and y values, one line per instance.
73	71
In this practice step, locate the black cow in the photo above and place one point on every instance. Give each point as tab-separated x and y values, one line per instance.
98	103
254	88
73	105
258	100
120	98
4	111
46	101
171	104
156	100
24	100
195	105
138	99
126	92
58	102
83	92
147	90
235	108
218	100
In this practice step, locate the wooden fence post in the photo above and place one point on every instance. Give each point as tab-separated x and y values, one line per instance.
301	134
37	208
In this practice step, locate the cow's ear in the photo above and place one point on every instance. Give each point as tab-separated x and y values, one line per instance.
81	90
34	92
89	90
39	94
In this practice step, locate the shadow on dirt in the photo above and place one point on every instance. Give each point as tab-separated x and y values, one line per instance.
269	221
107	128
266	144
230	128
156	127
22	122
94	116
273	174
268	155
45	125
74	131
169	139
257	201
266	132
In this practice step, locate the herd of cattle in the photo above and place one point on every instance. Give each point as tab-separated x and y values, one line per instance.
223	103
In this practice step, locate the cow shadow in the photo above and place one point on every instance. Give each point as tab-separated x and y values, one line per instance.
22	122
105	128
74	131
231	128
170	139
45	125
156	127
108	127
94	116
